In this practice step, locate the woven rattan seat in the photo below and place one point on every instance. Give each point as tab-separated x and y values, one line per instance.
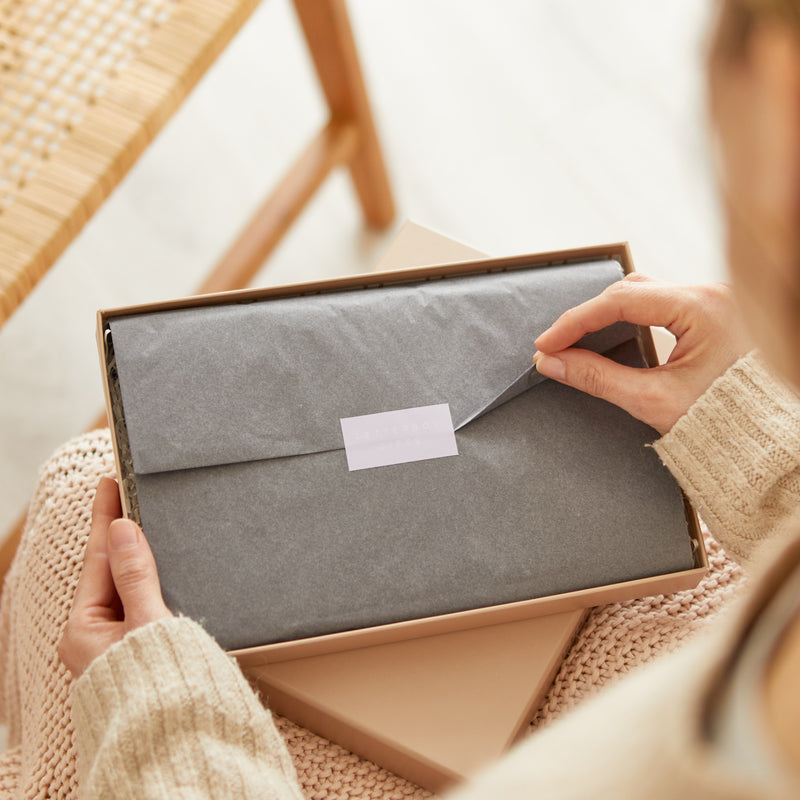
85	85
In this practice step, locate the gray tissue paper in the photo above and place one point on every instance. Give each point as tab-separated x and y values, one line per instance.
260	531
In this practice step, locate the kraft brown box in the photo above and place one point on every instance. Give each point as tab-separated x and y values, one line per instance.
461	620
316	680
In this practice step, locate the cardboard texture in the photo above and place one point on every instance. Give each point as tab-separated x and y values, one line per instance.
232	416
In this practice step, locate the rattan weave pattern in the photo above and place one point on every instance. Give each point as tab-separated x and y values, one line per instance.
85	85
57	58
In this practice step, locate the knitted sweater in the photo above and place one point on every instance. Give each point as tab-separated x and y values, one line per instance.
166	713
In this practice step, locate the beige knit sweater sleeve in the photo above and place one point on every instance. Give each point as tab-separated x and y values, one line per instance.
736	454
165	713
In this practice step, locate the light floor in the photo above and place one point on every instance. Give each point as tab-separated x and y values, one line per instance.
513	125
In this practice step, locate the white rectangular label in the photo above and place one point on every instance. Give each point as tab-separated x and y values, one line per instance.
397	437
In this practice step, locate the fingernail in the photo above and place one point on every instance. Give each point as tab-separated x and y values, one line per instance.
551	367
123	535
536	356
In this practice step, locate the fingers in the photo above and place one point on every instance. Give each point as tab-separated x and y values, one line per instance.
637	391
95	595
118	589
95	585
135	575
638	300
106	500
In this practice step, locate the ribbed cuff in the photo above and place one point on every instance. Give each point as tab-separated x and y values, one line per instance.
166	707
733	448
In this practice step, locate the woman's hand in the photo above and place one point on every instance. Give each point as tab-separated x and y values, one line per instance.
118	590
704	320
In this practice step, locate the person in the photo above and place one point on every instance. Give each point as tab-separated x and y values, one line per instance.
160	710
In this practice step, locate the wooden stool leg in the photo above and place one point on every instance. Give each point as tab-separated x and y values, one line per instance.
333	146
330	40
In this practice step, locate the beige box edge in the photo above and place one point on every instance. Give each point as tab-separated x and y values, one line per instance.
462	620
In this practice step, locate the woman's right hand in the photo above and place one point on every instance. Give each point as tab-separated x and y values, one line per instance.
704	320
118	590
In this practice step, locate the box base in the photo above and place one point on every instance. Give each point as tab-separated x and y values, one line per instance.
433	710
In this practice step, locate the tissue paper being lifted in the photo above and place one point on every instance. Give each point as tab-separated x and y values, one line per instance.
232	414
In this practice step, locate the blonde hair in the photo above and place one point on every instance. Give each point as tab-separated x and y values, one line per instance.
729	46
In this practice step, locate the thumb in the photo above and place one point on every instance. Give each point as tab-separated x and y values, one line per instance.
135	574
640	392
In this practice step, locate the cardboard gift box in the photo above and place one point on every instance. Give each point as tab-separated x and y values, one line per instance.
227	414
